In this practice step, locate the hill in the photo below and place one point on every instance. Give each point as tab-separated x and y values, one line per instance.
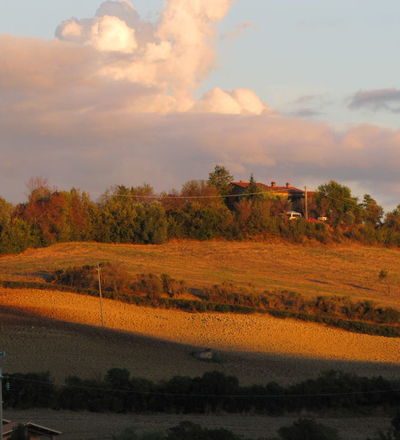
60	331
309	270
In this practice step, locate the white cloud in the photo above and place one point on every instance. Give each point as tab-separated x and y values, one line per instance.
113	101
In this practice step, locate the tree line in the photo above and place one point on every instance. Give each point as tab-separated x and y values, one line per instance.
201	210
214	392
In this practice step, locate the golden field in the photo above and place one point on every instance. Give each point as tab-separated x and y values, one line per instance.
269	348
60	331
345	270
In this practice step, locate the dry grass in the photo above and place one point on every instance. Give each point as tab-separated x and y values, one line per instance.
247	333
310	270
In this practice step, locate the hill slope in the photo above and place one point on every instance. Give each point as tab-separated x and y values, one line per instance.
309	270
284	350
60	331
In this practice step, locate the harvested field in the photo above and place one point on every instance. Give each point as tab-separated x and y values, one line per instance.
90	426
157	343
345	270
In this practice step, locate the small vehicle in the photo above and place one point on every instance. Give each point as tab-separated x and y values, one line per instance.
293	215
322	219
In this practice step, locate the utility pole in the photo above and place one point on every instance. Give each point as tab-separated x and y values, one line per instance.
306	202
2	354
100	297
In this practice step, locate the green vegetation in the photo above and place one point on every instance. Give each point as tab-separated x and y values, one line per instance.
202	210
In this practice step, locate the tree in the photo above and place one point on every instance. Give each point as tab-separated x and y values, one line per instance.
253	189
307	429
336	202
392	219
371	212
221	179
201	192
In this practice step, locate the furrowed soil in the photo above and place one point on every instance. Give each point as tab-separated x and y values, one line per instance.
60	332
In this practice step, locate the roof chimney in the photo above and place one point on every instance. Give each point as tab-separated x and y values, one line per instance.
273	184
287	185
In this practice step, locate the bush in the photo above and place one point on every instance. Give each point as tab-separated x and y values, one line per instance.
308	429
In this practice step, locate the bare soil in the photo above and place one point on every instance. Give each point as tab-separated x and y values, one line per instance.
59	332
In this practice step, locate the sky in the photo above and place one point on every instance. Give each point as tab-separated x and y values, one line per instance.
94	94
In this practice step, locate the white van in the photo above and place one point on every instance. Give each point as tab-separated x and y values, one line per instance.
293	215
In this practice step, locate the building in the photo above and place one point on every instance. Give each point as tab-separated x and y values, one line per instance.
294	195
32	430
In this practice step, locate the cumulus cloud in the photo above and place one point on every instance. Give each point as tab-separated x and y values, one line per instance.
235	102
172	56
381	99
111	100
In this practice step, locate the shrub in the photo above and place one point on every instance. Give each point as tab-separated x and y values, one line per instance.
308	429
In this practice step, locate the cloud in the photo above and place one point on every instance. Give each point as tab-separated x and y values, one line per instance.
308	106
173	56
305	113
375	100
111	100
235	102
237	31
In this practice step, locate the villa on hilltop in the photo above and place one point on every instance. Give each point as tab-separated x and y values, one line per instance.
295	195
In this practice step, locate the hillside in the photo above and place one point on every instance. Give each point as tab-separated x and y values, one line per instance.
310	270
252	347
60	331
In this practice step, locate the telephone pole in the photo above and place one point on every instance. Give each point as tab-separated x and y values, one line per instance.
100	297
2	354
306	202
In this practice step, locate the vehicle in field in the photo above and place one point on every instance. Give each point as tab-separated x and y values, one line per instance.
293	215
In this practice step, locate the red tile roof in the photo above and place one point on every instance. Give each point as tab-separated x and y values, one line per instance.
274	188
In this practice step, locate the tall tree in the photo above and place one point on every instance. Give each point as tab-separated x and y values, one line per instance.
371	212
221	179
392	219
336	201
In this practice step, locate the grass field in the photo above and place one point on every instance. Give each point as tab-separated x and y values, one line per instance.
310	270
157	343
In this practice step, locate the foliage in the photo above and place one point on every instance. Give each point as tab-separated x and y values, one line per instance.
221	179
336	202
308	429
214	391
201	211
372	213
